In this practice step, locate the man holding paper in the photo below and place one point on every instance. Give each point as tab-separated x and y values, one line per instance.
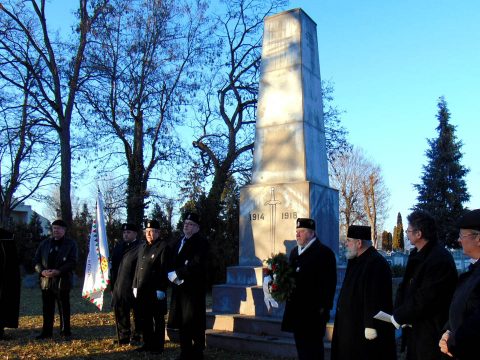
424	295
366	290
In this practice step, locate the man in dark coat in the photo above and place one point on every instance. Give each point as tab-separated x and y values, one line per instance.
187	306
150	286
9	283
55	261
308	308
124	262
424	295
366	290
462	335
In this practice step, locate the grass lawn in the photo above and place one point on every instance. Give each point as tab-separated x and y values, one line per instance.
93	334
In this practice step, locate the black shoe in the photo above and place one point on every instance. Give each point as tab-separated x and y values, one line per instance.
121	342
43	336
142	348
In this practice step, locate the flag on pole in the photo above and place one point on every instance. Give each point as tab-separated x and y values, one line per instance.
97	267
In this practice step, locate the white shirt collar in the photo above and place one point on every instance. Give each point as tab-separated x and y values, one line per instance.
300	250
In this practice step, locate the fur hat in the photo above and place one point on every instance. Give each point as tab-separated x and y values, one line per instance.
359	232
192	217
59	222
131	227
470	220
154	224
306	223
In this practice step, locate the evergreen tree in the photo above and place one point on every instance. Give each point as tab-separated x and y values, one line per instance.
443	190
386	241
165	225
398	235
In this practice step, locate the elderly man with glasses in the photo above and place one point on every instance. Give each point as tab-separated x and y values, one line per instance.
462	334
423	297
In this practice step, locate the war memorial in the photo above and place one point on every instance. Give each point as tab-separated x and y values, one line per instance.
289	181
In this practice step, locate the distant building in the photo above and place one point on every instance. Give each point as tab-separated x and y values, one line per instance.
22	214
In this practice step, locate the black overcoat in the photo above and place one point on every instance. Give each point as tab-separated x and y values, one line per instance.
153	265
9	284
65	262
124	262
464	316
187	306
315	278
366	290
423	299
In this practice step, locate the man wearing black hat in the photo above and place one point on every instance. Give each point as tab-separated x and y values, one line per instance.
366	290
460	340
9	282
424	295
124	262
55	261
308	308
187	307
150	286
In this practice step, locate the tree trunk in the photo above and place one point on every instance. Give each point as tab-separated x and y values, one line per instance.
66	175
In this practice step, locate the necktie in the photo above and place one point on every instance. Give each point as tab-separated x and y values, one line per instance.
181	245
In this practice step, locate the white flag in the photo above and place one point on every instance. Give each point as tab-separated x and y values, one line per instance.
97	268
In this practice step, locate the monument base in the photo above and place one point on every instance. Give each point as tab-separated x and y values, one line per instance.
240	320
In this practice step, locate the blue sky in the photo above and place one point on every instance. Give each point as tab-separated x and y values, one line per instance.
390	61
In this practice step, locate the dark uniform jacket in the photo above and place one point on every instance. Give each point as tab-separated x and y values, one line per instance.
153	265
366	290
423	299
315	278
9	282
464	316
124	262
65	262
188	298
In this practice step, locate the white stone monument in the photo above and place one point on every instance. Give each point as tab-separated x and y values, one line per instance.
290	173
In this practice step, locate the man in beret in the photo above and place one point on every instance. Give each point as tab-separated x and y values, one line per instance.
308	308
366	290
187	306
424	295
124	262
55	260
150	286
9	283
460	340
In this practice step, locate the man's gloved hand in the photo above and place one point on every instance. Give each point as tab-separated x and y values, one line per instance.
160	295
370	333
134	292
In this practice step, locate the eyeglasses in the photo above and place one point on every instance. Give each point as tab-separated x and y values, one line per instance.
463	236
409	231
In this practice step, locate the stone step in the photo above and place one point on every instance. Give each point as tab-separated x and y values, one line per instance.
241	299
253	325
282	347
266	345
245	275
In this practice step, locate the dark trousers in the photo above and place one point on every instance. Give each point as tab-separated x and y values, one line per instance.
152	314
309	343
192	341
122	319
62	298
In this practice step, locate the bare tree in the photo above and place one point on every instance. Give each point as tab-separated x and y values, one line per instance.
28	155
55	68
363	194
142	64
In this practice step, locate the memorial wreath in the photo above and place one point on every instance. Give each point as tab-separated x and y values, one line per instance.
282	281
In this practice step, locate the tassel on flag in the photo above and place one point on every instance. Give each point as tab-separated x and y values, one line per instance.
97	267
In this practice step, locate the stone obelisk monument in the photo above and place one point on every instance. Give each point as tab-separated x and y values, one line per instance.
290	181
290	172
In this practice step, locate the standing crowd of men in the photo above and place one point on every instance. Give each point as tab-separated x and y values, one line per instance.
437	312
141	272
